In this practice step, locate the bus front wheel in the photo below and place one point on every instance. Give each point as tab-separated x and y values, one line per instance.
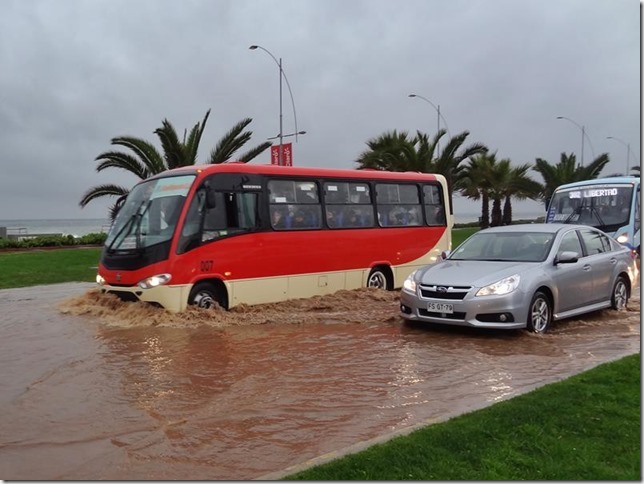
378	279
205	295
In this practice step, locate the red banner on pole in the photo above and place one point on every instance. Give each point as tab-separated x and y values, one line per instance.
287	154
275	155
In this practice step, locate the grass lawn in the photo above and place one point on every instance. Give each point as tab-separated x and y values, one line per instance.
30	268
34	267
459	235
584	428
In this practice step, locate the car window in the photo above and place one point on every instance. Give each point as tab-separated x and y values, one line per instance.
570	243
506	246
595	242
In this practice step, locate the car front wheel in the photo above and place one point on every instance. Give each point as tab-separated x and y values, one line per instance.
539	313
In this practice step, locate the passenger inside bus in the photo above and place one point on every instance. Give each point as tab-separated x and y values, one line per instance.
435	215
278	220
299	221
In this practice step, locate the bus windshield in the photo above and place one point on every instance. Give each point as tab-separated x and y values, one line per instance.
606	207
149	214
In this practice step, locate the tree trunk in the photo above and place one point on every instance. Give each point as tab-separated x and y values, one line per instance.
507	211
496	212
485	211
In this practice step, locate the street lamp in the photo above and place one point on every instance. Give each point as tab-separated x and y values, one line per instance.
583	135
628	152
438	118
282	75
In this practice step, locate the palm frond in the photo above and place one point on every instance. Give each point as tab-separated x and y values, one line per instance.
254	152
102	191
123	161
149	155
230	142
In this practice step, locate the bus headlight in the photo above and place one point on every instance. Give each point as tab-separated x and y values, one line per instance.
504	286
623	238
100	280
410	284
154	281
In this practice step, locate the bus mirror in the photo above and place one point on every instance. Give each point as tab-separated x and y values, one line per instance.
210	199
210	194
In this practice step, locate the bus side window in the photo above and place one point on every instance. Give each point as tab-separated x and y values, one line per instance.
398	204
434	207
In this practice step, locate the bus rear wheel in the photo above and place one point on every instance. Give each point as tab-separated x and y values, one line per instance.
378	279
206	296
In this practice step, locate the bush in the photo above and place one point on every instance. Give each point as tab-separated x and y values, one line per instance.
53	241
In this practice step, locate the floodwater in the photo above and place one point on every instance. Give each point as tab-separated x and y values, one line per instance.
95	389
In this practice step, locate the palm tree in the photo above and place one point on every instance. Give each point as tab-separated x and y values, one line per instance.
450	162
395	151
566	171
146	161
232	141
517	184
180	153
476	181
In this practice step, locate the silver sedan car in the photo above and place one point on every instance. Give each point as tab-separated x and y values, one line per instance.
522	276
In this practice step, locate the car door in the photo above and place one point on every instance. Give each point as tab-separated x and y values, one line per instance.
602	261
572	279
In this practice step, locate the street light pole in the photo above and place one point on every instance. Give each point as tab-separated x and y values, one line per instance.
583	135
281	151
282	76
628	152
438	118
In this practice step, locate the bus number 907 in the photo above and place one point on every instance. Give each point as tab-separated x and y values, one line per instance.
206	265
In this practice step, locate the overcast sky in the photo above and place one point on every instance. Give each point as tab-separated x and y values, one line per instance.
76	73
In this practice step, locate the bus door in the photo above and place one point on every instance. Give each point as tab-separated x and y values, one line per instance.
225	204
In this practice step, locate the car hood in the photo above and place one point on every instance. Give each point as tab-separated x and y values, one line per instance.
470	273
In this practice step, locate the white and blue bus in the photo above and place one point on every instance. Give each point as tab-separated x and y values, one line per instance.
611	204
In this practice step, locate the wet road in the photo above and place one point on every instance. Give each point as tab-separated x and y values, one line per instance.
85	398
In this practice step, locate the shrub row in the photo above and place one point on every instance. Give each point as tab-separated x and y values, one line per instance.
53	241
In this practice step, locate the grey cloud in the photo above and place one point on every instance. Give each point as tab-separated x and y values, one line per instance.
77	73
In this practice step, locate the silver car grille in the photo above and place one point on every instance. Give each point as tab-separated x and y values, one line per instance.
444	292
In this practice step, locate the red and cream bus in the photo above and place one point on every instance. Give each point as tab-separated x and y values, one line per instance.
239	233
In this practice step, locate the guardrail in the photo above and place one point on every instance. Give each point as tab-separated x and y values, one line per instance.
20	233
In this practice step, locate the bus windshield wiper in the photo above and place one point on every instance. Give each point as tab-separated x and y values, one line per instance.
138	214
137	230
594	210
576	211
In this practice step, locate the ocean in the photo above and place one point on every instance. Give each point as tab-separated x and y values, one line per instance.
67	226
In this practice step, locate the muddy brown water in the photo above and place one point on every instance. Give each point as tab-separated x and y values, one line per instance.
96	389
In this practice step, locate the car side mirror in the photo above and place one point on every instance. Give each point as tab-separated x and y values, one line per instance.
566	257
445	254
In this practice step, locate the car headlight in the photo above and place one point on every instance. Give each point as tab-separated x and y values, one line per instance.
504	286
623	238
410	284
100	280
154	281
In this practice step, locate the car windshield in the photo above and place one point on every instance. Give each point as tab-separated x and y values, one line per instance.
505	246
149	214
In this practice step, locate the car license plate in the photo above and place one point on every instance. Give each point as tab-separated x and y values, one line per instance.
440	308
